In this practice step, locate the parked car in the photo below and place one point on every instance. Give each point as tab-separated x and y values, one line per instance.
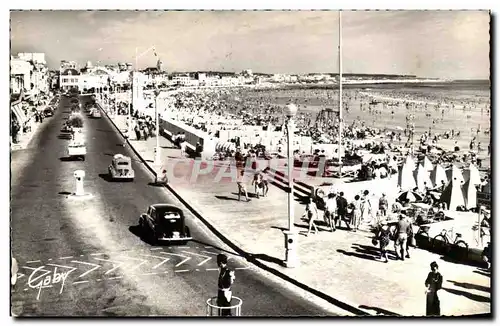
121	168
48	112
164	222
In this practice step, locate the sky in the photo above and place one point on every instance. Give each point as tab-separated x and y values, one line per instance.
437	44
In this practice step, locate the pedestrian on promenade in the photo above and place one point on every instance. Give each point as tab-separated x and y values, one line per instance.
260	183
365	207
401	235
137	132
433	282
225	281
311	213
356	213
383	205
330	211
342	211
383	238
242	189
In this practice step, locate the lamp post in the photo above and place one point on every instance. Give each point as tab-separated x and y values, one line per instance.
135	86
157	122
291	259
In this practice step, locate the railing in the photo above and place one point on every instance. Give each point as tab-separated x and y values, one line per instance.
214	310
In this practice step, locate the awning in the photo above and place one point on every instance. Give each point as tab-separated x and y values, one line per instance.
19	112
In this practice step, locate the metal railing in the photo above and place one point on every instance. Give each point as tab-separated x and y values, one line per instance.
233	310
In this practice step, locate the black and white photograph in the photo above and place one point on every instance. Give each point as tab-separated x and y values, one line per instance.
250	163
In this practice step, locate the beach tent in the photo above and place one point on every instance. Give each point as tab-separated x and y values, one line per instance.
405	178
409	161
453	195
470	192
427	164
472	174
454	173
422	178
438	174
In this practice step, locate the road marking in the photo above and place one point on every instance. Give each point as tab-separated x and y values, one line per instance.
99	254
165	272
33	261
211	253
156	249
212	269
182	270
208	246
113	278
90	264
79	282
207	258
158	265
68	257
139	265
184	247
182	262
118	264
98	280
242	267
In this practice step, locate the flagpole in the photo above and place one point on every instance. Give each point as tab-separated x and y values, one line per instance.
340	95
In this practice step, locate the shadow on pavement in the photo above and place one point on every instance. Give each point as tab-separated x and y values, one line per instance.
380	311
227	197
374	251
250	194
482	272
279	228
139	232
64	193
267	258
474	297
64	136
68	159
471	286
467	262
106	177
169	147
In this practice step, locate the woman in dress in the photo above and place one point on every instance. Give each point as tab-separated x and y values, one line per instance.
433	283
356	213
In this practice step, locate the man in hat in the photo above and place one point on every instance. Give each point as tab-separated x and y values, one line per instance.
226	279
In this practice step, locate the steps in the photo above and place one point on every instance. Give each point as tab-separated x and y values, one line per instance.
280	180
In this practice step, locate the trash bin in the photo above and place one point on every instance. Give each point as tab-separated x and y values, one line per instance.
214	310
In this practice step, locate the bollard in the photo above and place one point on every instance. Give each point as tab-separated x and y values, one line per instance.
291	255
79	176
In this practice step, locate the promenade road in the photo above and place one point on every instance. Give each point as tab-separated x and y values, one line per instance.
85	258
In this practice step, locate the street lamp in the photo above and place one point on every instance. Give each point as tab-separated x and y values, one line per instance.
157	122
291	259
135	86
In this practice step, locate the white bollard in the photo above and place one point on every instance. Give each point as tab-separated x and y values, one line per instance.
79	176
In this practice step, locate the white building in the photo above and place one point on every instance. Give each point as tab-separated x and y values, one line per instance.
29	71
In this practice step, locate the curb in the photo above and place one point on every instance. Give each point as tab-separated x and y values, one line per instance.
249	257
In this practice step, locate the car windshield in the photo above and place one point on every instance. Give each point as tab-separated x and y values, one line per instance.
122	163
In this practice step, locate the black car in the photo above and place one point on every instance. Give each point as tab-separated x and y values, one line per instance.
164	222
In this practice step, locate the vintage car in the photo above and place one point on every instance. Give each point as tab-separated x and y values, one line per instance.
121	168
95	113
67	127
77	150
48	112
164	222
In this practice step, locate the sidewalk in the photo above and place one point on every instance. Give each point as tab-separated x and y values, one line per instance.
341	265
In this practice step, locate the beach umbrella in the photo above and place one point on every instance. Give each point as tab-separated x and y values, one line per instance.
472	174
410	162
454	173
438	174
427	164
409	195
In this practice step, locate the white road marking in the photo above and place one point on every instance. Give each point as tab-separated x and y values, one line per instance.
19	275
113	278
118	264
158	265
182	270
33	261
158	273
139	265
90	264
182	262
211	253
207	258
156	249
98	254
208	246
242	267
68	257
79	282
212	269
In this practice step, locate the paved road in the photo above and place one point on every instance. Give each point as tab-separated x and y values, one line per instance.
83	257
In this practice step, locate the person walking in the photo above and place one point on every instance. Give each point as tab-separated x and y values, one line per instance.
356	213
401	237
342	210
330	211
383	205
433	283
225	281
242	189
312	215
383	239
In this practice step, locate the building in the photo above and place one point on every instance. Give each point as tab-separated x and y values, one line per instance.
67	65
69	78
29	72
